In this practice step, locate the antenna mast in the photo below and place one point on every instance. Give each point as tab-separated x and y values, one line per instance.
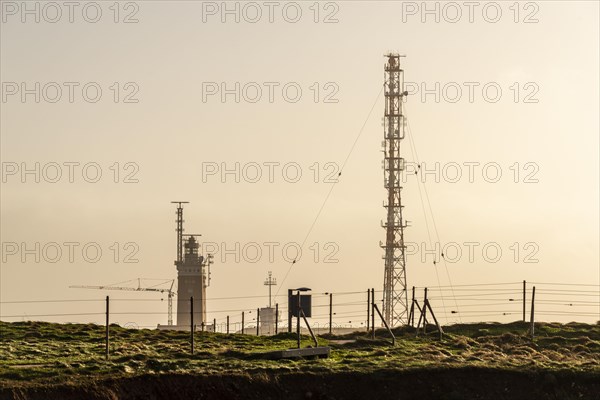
395	296
270	282
179	230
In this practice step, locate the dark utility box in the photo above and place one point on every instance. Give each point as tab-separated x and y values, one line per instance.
305	303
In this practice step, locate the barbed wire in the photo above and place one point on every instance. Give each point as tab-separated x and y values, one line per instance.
481	300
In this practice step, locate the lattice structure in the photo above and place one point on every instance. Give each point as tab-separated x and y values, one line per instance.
395	296
179	230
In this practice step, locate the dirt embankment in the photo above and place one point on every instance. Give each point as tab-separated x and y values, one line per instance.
449	384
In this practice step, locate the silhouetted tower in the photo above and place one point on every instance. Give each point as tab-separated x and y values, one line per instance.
191	282
395	296
191	275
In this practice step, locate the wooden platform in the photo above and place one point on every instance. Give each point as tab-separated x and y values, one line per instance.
308	352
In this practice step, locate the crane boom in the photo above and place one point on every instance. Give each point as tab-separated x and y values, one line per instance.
121	288
169	291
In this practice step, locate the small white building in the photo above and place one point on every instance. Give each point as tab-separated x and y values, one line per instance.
268	319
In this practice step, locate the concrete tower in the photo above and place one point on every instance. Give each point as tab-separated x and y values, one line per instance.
192	275
191	282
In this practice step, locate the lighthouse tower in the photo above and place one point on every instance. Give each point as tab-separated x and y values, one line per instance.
191	282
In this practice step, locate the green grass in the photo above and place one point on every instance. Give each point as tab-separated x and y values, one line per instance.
39	353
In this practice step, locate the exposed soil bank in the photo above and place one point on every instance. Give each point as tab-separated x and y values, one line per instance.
450	384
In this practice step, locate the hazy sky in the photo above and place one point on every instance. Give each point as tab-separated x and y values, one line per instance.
515	98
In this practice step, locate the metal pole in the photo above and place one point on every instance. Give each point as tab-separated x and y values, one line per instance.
385	324
107	324
309	329
192	323
257	321
373	312
425	312
420	319
270	286
228	324
440	330
412	309
524	293
242	322
214	325
289	311
368	309
533	312
298	318
330	311
276	318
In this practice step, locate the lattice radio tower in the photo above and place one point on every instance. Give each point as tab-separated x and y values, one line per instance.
395	296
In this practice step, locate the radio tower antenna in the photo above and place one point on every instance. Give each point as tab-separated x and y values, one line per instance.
179	231
270	282
395	296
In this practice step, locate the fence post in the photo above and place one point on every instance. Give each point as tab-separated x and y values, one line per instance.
242	322
276	318
289	311
533	312
257	321
330	311
368	309
107	329
214	325
524	298
373	311
298	318
425	301
228	324
192	323
411	315
375	308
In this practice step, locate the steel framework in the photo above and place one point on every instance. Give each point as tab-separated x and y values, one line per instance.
395	296
179	230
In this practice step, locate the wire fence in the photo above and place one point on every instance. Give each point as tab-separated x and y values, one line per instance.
486	302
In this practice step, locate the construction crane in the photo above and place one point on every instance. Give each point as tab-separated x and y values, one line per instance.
139	288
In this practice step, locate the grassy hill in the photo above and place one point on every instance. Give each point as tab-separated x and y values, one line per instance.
472	361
